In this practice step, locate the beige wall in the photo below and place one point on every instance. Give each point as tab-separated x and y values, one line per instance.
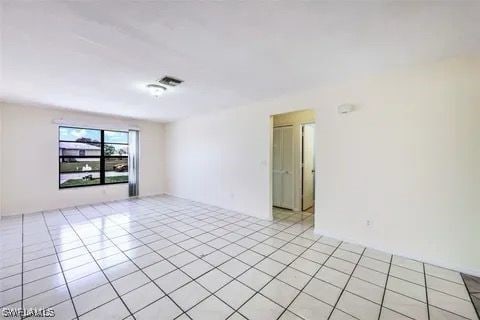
293	118
296	119
407	160
29	168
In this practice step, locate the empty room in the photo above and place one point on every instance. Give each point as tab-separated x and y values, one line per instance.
259	160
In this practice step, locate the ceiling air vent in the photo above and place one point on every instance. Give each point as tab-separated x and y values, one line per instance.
170	81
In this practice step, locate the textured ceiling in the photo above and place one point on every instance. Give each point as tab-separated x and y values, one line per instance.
98	55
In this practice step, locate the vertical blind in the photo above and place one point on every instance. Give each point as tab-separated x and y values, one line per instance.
133	163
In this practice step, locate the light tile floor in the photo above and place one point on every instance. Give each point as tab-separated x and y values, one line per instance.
168	258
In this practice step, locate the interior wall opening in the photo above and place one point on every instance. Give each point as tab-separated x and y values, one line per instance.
293	163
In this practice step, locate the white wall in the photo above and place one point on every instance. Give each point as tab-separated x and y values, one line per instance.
407	160
296	119
1	193
29	162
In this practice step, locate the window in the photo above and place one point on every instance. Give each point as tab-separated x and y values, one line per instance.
90	157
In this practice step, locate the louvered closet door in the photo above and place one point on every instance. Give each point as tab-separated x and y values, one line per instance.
283	167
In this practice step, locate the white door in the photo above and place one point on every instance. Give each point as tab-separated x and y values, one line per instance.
308	166
283	167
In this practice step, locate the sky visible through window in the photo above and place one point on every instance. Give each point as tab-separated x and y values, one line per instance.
78	134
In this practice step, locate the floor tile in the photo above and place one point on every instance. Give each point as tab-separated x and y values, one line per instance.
162	309
306	266
64	310
280	292
332	276
42	285
374	264
440	314
158	269
235	294
408	275
310	308
269	266
250	257
260	308
406	288
110	311
404	305
172	281
365	290
407	263
338	314
189	295
387	314
358	307
346	255
443	273
323	291
452	304
182	259
130	282
340	265
142	296
210	308
370	275
282	257
197	268
214	280
288	315
294	278
234	267
254	278
216	258
273	261
94	298
449	287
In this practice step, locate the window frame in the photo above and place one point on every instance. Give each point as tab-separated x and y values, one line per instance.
102	157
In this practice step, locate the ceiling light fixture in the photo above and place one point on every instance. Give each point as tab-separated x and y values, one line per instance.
156	90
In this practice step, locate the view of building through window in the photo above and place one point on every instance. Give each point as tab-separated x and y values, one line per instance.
92	157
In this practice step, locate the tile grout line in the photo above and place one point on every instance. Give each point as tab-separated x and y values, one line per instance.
165	294
231	258
23	238
426	290
148	212
286	227
61	268
88	250
477	310
274	277
219	249
346	284
385	289
313	276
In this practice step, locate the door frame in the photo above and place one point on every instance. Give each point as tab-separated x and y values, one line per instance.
269	164
303	161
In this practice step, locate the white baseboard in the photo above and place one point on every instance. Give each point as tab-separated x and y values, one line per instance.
443	264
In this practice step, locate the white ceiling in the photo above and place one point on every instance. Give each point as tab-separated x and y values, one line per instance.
98	55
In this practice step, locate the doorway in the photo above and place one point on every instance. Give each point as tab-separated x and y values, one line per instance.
308	167
293	162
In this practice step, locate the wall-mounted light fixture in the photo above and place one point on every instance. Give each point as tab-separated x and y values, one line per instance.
345	108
